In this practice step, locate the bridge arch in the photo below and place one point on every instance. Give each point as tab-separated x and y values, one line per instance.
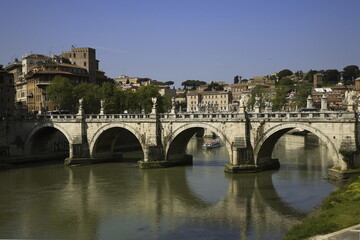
264	146
42	127
175	144
113	126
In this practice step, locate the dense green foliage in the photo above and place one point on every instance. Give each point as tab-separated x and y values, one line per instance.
309	76
331	77
262	94
60	92
192	84
302	91
279	99
341	209
65	96
285	81
350	73
213	86
168	83
284	73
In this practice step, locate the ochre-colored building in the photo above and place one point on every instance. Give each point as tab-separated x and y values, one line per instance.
39	78
86	58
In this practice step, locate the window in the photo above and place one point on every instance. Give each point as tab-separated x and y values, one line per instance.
84	55
84	64
74	55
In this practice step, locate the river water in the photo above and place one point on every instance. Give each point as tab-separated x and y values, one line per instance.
121	201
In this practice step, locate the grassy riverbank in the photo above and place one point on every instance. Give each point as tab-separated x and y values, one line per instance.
341	209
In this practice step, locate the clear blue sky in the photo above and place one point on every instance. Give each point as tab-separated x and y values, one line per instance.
178	40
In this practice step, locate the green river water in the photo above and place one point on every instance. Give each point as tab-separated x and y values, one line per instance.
121	201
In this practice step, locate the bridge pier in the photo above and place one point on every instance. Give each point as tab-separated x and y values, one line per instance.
251	167
79	154
243	161
154	158
79	151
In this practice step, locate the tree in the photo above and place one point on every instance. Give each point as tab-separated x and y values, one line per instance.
192	84
141	80
284	73
144	95
280	97
168	83
111	96
262	93
309	76
285	81
132	103
302	91
60	92
299	73
91	93
213	86
237	79
350	73
331	77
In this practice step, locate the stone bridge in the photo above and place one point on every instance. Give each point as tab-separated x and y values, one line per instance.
249	137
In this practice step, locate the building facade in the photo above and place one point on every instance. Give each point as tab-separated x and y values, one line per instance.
36	71
7	93
211	101
39	78
31	61
86	58
15	68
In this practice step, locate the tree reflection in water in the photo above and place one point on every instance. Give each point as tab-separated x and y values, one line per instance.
119	200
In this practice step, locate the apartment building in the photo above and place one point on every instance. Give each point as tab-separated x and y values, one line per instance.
7	93
39	78
214	101
15	68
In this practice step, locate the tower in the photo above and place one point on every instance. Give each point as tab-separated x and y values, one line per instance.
84	57
318	80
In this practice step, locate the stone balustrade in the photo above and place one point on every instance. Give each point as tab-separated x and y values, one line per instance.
328	115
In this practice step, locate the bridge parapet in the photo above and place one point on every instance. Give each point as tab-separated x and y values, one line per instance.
306	115
120	116
255	115
199	115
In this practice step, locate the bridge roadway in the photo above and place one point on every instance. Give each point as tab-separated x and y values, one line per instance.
249	137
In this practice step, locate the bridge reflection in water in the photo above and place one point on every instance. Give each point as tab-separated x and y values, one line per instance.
119	200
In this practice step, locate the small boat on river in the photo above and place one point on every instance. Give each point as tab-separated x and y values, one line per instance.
212	144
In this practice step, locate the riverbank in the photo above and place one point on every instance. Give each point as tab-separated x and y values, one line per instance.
341	209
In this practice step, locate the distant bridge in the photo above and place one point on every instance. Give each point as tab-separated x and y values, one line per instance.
249	137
